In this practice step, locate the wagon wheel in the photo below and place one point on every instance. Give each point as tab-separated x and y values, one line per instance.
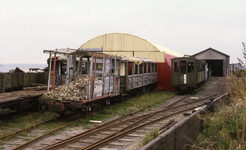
107	103
62	113
85	110
41	107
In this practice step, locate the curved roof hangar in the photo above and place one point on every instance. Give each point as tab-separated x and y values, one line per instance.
129	45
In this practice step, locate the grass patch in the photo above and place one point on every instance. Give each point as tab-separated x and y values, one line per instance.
226	129
54	133
138	102
23	134
86	127
63	128
32	136
150	136
118	109
22	121
26	139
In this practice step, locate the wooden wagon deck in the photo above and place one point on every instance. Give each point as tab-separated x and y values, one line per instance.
20	100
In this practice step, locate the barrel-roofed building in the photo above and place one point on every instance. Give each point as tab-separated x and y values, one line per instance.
130	45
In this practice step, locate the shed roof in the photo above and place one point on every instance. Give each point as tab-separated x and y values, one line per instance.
124	42
212	50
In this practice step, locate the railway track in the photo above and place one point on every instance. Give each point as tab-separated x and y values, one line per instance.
50	133
118	133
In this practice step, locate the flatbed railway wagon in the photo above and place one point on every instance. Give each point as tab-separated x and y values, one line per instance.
105	78
188	73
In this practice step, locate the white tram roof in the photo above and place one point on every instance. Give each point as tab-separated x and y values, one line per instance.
63	52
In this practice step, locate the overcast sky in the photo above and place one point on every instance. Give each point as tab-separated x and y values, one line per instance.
186	26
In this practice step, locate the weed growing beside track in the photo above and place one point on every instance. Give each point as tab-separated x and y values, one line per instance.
226	129
118	109
130	105
150	136
137	102
22	121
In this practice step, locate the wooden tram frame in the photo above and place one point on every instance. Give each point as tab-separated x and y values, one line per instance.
122	84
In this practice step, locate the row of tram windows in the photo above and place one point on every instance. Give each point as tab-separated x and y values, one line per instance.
142	68
180	67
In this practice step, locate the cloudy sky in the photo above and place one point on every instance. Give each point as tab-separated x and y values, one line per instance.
186	26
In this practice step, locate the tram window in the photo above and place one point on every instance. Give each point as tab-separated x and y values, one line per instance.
190	67
199	67
176	67
136	69
183	66
148	67
99	66
129	68
141	69
153	67
145	68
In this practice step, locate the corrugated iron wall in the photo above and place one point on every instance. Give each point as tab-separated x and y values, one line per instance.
131	45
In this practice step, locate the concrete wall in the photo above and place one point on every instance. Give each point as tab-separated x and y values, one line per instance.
179	136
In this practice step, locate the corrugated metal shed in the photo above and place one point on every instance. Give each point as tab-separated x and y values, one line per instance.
130	45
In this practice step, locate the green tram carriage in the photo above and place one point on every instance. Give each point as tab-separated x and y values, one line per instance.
188	73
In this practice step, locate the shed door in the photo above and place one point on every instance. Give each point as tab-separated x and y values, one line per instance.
216	67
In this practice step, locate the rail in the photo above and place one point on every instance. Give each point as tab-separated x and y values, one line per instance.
178	136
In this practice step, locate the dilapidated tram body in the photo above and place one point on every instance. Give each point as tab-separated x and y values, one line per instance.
110	78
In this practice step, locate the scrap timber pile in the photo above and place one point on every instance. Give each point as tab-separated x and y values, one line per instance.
75	90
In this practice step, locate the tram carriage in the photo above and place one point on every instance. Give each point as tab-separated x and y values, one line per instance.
111	78
188	73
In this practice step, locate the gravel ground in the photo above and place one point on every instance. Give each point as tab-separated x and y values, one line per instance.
135	138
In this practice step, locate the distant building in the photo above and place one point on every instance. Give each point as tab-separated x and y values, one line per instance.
233	68
16	70
218	62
